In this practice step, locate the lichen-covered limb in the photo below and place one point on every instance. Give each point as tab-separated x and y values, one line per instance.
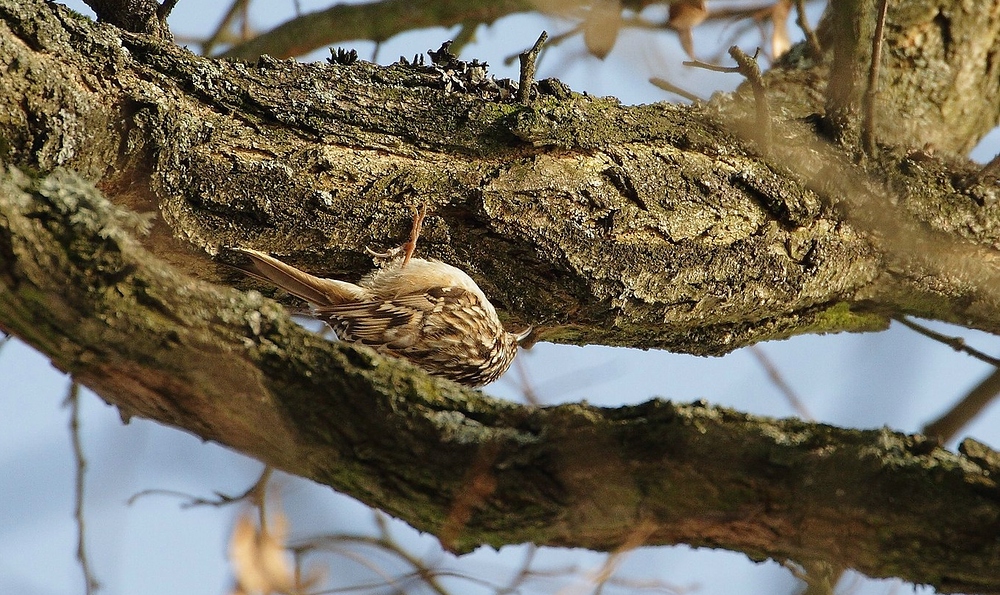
231	367
649	226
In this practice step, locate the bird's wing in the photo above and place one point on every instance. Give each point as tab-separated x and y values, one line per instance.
410	325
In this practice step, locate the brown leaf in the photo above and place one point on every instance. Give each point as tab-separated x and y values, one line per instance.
259	559
780	42
600	28
685	15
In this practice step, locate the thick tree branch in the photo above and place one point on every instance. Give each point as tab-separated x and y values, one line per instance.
649	226
375	21
938	63
76	284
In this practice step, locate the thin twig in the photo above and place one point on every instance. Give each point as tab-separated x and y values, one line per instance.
258	495
550	43
672	88
803	23
220	31
528	393
868	103
636	538
948	425
748	68
956	343
253	494
517	582
466	34
527	78
710	66
245	33
73	402
775	375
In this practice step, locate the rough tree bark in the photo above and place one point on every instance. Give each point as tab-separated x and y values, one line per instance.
128	161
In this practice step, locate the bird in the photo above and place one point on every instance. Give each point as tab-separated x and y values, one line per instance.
425	311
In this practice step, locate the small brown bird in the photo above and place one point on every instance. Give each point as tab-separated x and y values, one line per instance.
425	311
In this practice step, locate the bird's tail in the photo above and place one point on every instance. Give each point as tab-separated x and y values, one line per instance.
315	290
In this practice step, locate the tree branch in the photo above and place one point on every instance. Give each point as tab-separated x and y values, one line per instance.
156	343
584	199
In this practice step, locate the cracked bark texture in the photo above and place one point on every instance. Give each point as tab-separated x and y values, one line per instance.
129	161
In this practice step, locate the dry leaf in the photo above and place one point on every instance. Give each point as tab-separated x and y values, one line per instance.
600	28
780	42
685	15
259	559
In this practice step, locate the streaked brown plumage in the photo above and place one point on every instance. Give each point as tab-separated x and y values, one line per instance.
425	311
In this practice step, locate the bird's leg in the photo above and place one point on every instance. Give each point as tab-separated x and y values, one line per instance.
411	244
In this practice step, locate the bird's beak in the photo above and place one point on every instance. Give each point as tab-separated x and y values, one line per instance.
521	336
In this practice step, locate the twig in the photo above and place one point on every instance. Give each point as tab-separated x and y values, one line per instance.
956	343
550	43
466	33
748	68
868	102
163	11
528	393
254	494
803	23
776	377
672	88
522	574
636	538
710	66
213	40
948	425
527	78
73	402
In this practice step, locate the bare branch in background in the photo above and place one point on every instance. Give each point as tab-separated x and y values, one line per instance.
222	33
815	48
979	398
868	103
255	494
72	401
779	381
780	40
956	343
685	15
672	88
